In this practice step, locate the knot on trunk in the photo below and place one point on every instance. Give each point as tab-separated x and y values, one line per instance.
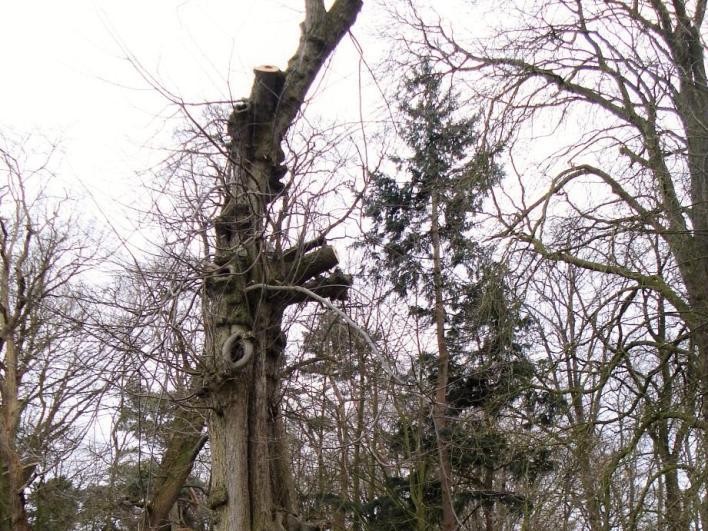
237	350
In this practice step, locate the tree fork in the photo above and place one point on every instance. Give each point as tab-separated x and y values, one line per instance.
175	467
252	485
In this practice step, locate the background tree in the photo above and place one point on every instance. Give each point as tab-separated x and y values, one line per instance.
625	182
422	223
145	424
56	504
160	333
328	412
441	190
51	374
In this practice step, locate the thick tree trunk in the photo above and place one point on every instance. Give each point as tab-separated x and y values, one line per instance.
185	444
13	516
691	252
252	487
588	480
690	247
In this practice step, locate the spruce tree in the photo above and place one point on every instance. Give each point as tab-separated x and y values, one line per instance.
422	218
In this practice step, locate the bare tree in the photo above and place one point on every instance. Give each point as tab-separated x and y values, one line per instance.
195	268
623	407
50	373
632	75
157	329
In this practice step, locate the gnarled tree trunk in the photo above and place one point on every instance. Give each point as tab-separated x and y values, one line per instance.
248	291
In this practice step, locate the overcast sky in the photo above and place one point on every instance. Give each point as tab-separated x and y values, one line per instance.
70	77
67	76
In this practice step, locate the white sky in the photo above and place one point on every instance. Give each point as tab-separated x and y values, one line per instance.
67	77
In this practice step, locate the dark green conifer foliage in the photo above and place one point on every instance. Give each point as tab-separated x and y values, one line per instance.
444	158
488	368
55	504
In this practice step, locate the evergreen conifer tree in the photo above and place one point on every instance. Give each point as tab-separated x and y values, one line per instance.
422	223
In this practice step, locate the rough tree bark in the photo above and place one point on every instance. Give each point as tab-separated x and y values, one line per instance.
251	482
12	503
175	467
